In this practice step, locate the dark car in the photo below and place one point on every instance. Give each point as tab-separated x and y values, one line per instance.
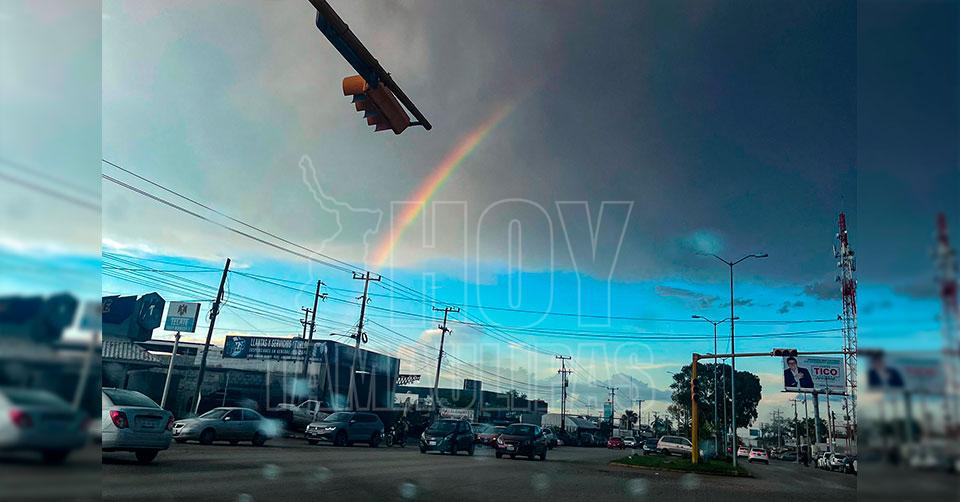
345	428
522	439
448	436
650	446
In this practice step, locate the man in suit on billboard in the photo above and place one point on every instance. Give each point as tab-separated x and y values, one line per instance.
795	376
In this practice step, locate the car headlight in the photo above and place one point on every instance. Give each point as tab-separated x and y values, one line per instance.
499	440
330	428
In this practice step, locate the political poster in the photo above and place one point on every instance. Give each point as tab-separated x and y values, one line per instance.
814	374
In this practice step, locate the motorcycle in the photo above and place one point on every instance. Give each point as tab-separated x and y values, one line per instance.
393	437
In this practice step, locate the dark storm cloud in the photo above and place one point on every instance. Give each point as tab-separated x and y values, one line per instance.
823	290
701	300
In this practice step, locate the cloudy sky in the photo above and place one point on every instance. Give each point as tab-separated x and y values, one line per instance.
628	140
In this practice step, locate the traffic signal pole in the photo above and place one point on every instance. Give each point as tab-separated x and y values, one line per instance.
695	434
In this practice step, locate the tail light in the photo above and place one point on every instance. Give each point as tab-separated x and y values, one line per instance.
21	419
170	423
119	419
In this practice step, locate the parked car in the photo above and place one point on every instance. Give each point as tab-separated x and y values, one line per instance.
630	442
448	435
758	455
226	424
650	446
522	439
345	428
789	456
837	462
484	434
675	445
616	442
131	421
551	438
37	420
303	414
743	451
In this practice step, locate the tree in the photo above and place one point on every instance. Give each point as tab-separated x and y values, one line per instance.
628	418
748	394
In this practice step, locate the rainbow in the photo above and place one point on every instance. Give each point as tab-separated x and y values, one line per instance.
435	181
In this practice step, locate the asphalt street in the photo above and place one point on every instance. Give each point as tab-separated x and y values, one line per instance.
287	469
24	477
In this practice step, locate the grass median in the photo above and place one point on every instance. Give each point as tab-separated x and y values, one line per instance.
712	467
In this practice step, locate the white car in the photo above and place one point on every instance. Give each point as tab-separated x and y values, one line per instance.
675	445
131	421
630	442
304	414
758	455
37	420
836	462
743	451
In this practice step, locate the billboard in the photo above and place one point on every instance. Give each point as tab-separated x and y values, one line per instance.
265	347
912	372
182	317
814	373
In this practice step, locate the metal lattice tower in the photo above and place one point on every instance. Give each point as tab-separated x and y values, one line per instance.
946	262
847	265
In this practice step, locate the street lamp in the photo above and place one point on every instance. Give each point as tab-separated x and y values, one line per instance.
733	352
716	429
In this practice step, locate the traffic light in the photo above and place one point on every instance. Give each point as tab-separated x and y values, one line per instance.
378	104
785	352
695	390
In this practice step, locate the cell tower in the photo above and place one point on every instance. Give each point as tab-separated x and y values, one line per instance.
946	262
848	289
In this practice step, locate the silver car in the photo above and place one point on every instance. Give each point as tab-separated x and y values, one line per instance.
37	420
131	421
226	424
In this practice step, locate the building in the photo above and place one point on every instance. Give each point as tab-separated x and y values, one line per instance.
477	404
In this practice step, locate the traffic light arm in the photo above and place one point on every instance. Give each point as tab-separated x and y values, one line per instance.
346	42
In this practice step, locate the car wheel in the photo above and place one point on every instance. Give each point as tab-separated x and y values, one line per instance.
375	440
146	456
258	439
340	439
234	442
180	440
513	456
453	449
499	455
312	441
208	436
55	456
543	456
665	452
471	450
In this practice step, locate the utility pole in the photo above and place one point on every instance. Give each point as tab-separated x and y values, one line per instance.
613	398
214	311
563	371
308	336
443	334
796	427
366	278
639	413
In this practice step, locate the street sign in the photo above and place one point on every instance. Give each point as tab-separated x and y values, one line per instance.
182	317
90	317
151	310
813	373
265	347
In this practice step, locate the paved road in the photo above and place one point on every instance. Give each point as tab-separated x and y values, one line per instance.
286	469
24	477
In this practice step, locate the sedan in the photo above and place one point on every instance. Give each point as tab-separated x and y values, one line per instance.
37	420
131	421
758	455
630	442
616	442
448	436
485	434
226	424
522	439
743	451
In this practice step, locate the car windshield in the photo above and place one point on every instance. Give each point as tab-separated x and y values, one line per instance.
338	417
129	398
483	428
215	413
443	426
519	430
